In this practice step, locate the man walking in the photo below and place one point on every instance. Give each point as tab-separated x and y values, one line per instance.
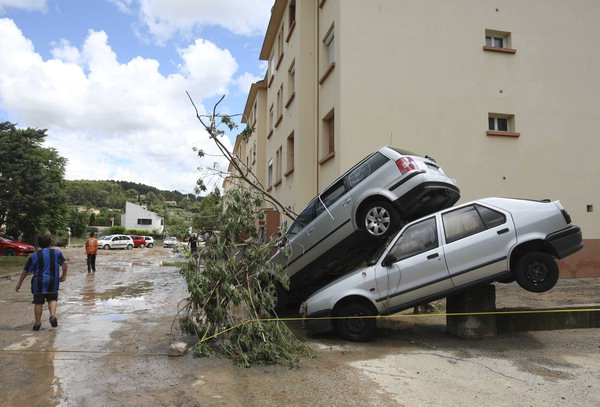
45	265
91	249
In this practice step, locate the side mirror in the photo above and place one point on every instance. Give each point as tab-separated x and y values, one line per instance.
281	242
388	260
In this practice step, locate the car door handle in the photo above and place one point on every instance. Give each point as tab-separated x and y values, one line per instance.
346	202
502	231
310	231
433	256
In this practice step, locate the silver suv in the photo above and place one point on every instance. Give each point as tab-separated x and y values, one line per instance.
361	208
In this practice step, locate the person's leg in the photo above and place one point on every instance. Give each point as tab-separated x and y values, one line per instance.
89	263
52	310
37	312
93	259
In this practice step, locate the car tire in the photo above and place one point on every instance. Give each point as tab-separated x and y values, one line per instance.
280	295
150	245
142	246
129	246
379	219
360	329
536	272
106	247
10	252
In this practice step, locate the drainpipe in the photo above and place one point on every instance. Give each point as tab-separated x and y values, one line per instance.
317	95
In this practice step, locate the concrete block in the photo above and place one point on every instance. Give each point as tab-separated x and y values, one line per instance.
476	300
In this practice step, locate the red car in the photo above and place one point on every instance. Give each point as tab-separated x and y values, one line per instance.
10	247
138	241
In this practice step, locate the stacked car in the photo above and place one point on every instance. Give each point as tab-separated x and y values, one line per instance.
385	237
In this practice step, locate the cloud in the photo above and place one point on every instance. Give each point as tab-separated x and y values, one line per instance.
115	120
29	5
165	18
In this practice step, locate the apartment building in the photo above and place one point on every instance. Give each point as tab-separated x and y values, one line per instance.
502	93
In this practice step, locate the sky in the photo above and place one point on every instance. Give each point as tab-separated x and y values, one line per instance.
108	80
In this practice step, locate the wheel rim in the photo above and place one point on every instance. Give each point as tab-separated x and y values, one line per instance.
355	325
536	272
377	221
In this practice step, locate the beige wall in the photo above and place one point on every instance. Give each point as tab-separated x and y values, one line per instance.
413	74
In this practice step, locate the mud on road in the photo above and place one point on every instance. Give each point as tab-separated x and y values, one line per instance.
115	327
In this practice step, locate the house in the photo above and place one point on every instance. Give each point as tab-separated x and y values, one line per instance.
503	94
140	218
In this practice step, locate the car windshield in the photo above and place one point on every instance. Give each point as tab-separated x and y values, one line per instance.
7	238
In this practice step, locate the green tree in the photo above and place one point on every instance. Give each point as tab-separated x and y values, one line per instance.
78	222
207	211
33	195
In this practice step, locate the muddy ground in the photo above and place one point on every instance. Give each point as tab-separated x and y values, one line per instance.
115	327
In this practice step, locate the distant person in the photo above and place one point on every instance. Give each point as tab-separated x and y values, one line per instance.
193	243
45	265
91	249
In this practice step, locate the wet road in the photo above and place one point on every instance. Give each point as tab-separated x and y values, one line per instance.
102	314
115	327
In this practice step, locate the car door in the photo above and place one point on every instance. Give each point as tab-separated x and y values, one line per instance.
418	269
477	241
298	240
119	243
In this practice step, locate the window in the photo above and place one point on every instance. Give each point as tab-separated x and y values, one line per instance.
328	137
279	47
254	112
470	220
291	83
418	238
331	195
501	125
461	223
292	13
279	105
270	173
271	67
271	123
328	54
498	123
290	154
144	221
278	165
305	217
498	41
364	169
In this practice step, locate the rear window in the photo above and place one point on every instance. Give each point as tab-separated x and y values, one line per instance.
404	152
364	169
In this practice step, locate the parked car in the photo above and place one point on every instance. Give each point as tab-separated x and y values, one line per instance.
149	241
488	240
12	247
361	208
170	242
115	242
138	241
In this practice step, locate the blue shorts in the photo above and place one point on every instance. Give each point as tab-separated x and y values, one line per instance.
39	299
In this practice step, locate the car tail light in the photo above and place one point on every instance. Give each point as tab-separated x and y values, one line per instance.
406	164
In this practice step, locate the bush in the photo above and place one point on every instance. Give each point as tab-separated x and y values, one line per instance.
116	230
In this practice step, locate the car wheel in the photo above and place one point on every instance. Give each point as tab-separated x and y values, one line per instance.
379	219
129	246
150	245
10	252
536	272
106	247
279	294
359	329
142	246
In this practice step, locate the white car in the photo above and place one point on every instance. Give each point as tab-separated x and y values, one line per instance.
115	242
365	205
492	239
149	241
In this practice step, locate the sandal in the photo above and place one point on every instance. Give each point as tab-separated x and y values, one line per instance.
36	327
53	322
